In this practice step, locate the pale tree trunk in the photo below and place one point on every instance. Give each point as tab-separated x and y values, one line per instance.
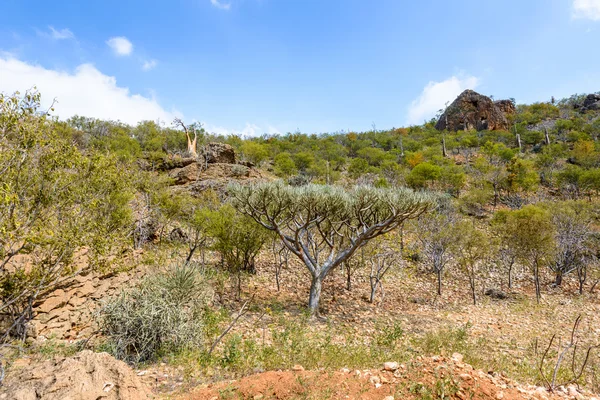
191	144
444	152
536	279
315	294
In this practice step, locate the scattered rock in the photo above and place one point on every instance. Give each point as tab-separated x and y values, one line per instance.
457	357
390	366
297	368
496	294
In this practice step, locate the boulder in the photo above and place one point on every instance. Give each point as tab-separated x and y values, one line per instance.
85	376
472	110
189	173
496	294
220	153
591	102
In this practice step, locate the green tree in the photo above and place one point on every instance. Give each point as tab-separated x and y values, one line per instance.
254	152
423	175
522	176
284	165
324	225
54	200
239	239
358	167
530	232
471	252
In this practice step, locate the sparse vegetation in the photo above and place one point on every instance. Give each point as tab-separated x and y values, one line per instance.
463	213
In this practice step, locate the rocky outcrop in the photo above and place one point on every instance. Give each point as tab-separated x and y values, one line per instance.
591	102
219	153
472	110
69	312
189	173
85	376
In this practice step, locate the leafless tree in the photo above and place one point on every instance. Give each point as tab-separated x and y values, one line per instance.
281	254
436	236
573	237
380	263
191	144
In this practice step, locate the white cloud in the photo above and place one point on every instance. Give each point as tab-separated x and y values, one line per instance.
149	64
587	9
120	45
61	34
249	130
435	95
219	4
86	91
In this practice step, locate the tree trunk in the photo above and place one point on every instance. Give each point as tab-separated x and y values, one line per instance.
496	195
444	152
472	282
277	272
315	295
348	276
402	239
510	267
439	281
581	277
536	279
558	279
373	290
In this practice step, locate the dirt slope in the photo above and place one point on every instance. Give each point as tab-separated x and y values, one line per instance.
424	378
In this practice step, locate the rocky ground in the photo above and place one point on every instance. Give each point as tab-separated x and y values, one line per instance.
504	335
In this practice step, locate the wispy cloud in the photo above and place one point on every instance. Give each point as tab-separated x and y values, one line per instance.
149	64
436	94
220	4
120	45
86	91
61	34
586	9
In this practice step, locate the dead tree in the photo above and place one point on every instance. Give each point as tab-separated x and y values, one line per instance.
281	255
191	144
573	236
380	264
437	237
570	346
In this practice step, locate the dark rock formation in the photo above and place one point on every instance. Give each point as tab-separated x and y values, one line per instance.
591	102
219	153
472	110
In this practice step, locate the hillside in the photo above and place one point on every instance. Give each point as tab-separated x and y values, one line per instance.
228	267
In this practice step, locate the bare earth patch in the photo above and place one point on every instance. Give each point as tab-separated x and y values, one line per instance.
435	377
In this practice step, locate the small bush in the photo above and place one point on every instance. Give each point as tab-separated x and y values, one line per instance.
239	170
162	313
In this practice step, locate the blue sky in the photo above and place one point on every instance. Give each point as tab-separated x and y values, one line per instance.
266	66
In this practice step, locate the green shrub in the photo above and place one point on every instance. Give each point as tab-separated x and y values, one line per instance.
162	313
